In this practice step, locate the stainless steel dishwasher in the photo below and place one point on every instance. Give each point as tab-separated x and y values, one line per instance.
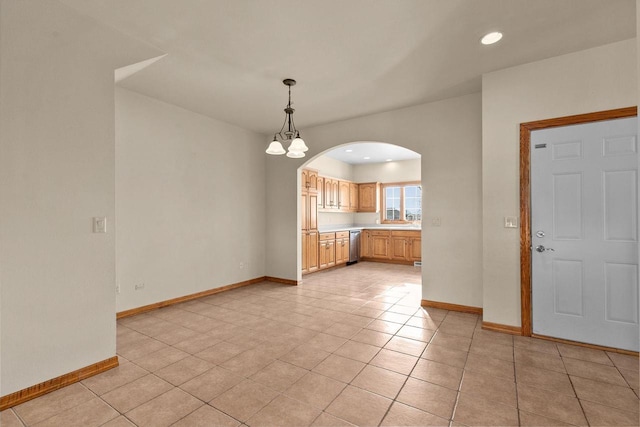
354	246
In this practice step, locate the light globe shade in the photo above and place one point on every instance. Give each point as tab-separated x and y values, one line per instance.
298	145
275	148
295	154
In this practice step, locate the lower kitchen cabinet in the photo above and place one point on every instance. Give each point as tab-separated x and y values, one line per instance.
406	245
380	244
327	250
415	252
398	246
342	247
312	251
365	244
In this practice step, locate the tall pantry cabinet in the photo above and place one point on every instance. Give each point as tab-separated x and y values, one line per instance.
309	212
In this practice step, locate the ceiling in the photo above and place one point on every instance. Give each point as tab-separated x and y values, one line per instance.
371	152
227	58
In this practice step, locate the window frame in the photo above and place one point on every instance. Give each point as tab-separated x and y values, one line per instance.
383	202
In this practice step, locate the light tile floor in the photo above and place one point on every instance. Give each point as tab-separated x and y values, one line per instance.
350	346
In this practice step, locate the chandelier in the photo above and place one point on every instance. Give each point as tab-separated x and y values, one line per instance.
297	147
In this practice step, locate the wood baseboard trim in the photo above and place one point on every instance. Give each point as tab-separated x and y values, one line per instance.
333	267
451	307
48	386
586	345
157	305
387	261
279	280
505	329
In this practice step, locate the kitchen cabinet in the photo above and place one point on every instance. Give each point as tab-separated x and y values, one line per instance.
380	244
406	245
396	246
365	244
353	197
343	195
313	180
312	251
309	211
304	178
331	193
368	197
327	250
399	248
337	194
342	247
415	250
309	220
309	180
320	186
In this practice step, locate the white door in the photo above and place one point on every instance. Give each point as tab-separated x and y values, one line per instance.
584	226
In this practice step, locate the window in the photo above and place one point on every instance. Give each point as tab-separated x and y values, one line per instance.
402	202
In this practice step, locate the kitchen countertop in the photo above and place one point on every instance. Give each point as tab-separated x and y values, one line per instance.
333	228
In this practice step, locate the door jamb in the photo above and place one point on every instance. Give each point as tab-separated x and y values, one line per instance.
525	195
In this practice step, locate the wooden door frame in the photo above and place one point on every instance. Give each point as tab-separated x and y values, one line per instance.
525	195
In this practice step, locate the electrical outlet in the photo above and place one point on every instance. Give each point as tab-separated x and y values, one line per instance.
241	265
139	286
117	288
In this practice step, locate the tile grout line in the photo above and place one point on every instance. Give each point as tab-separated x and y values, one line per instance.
623	377
459	391
394	400
368	364
515	380
584	414
18	417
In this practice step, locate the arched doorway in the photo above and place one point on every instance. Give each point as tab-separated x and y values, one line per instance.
370	187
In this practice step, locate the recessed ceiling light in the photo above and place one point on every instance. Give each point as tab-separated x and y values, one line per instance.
389	160
491	38
366	158
348	151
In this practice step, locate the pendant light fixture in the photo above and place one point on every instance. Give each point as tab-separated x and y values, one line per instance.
297	148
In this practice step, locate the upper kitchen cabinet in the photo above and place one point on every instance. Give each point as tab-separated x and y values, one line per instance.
343	195
304	179
309	180
320	184
368	197
331	193
353	197
337	195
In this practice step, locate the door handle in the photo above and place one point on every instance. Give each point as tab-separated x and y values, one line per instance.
541	248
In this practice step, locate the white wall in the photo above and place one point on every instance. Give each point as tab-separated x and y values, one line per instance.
448	136
328	166
592	80
190	197
399	171
57	171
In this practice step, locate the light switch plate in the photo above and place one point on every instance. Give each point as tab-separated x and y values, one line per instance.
510	222
100	224
436	221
